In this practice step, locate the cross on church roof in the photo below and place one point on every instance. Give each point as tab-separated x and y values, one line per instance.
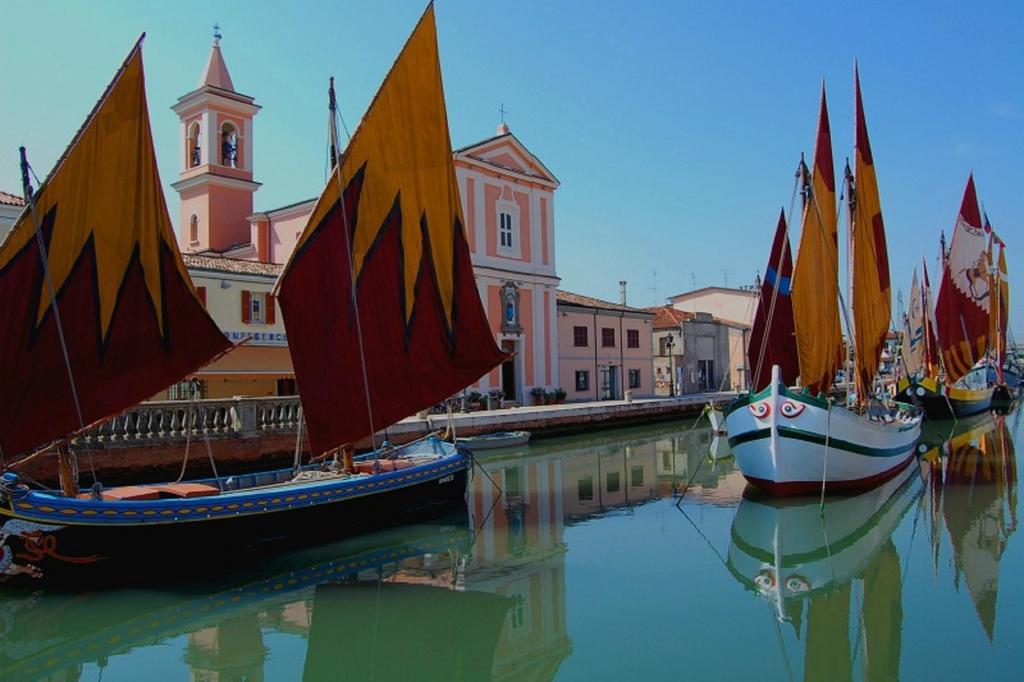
216	33
502	110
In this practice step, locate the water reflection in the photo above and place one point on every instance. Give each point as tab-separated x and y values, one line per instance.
973	493
488	593
834	575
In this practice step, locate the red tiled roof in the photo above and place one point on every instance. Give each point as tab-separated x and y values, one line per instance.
11	199
667	317
194	261
570	298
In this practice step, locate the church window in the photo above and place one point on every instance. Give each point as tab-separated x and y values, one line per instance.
193	229
505	230
229	146
194	153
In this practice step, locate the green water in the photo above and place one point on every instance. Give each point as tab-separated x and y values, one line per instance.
584	568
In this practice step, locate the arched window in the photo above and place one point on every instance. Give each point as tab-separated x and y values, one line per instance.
193	229
194	155
229	146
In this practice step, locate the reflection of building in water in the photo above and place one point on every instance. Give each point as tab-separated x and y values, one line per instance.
974	492
607	479
697	454
229	651
520	554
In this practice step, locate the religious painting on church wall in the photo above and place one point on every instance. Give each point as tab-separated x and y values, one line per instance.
510	309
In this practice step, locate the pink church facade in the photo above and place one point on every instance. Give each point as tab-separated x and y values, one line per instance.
508	204
508	208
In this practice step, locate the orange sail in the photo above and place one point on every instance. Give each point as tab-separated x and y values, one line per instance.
815	276
129	315
914	331
962	308
379	298
872	299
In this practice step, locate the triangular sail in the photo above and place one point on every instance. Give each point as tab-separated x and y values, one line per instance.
128	310
913	331
771	336
815	276
424	334
871	294
962	309
931	343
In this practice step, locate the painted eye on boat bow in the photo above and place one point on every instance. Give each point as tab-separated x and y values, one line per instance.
760	410
791	409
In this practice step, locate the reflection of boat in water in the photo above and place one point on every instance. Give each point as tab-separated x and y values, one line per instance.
973	493
784	549
43	634
806	564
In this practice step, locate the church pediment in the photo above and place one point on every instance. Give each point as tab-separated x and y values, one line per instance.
507	153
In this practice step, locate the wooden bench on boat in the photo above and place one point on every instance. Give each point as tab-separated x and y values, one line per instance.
137	493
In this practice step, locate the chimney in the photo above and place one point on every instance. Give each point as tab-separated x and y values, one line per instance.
622	291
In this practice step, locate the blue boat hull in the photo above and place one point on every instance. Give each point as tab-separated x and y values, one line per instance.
88	542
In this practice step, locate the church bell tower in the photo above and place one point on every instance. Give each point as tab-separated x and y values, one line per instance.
215	180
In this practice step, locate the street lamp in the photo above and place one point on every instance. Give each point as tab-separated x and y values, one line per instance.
669	343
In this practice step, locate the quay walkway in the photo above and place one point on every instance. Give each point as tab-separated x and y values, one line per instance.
149	441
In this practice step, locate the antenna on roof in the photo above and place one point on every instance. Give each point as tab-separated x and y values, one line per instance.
654	288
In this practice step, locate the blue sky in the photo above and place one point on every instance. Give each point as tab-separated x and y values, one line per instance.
674	127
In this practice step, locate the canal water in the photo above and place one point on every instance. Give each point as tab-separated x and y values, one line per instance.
577	559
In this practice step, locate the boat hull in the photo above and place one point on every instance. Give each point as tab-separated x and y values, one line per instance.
944	402
79	541
495	441
788	443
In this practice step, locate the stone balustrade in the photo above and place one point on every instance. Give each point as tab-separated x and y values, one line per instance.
172	420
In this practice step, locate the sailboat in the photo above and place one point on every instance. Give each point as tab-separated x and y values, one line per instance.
379	303
957	385
790	441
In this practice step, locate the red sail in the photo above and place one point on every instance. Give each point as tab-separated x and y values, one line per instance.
130	316
424	333
771	337
962	309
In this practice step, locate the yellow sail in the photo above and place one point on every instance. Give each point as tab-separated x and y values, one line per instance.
870	283
815	277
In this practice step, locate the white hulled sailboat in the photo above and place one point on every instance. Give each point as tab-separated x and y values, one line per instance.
791	441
